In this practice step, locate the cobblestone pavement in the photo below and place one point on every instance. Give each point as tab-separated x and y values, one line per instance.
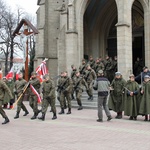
78	131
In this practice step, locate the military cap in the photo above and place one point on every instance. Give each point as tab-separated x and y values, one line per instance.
131	75
145	67
33	73
100	71
146	76
118	73
72	66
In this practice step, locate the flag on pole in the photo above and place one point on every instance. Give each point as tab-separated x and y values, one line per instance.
10	73
36	93
17	74
42	70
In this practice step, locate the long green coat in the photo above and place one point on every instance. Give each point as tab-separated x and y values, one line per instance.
131	102
145	99
116	99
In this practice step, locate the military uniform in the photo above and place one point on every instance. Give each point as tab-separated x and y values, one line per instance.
4	89
49	96
131	100
33	99
89	78
98	66
78	87
73	76
19	85
144	108
82	67
116	99
91	63
66	93
108	69
11	84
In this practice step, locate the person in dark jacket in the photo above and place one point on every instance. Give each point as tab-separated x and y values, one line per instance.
102	85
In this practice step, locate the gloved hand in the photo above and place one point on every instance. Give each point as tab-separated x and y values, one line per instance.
12	100
15	92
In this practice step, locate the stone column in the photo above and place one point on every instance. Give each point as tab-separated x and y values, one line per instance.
71	38
124	37
147	35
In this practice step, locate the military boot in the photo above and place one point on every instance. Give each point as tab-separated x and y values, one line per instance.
80	108
54	116
146	118
26	113
34	116
17	115
6	120
120	115
42	117
69	111
62	111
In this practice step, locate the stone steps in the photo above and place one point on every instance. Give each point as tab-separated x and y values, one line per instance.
85	102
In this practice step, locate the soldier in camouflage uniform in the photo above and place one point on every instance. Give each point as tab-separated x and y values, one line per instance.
91	62
89	78
60	81
108	68
4	89
19	86
48	97
11	84
73	76
82	68
78	88
33	99
67	86
98	66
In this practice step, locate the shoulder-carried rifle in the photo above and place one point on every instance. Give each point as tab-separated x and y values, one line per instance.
61	87
81	71
24	90
75	87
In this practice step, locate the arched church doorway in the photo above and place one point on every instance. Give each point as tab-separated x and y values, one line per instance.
100	34
138	37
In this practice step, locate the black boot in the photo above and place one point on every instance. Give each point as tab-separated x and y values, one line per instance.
26	113
62	111
42	117
17	115
54	116
109	118
6	120
34	116
69	111
80	108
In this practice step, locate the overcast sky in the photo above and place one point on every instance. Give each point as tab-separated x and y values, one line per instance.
30	6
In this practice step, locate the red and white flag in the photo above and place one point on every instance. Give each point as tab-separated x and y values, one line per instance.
36	93
42	70
10	73
17	74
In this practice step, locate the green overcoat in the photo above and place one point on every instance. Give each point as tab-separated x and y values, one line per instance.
116	98
145	99
131	102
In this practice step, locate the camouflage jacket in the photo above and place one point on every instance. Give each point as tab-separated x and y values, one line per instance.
4	89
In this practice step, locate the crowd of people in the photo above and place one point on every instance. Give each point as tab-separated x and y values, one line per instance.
114	93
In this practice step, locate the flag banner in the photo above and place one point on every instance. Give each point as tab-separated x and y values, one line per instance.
10	73
36	93
42	70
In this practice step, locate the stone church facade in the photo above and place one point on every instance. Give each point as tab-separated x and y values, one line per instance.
70	30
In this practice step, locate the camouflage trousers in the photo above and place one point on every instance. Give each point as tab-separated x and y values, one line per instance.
78	97
90	89
20	105
2	112
46	103
63	97
33	102
58	97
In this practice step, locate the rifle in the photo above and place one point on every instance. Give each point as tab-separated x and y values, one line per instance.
87	76
24	90
75	87
81	71
61	87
